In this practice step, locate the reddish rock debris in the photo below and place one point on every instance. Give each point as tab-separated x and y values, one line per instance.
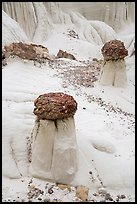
52	106
26	51
64	54
114	50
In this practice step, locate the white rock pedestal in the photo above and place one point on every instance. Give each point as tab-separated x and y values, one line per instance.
54	150
113	73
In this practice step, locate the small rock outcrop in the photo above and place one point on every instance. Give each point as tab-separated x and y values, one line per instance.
64	54
82	193
26	51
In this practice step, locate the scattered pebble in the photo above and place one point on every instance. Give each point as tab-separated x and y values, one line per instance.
102	191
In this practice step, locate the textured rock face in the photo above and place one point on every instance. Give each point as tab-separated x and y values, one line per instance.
114	14
64	54
114	50
52	106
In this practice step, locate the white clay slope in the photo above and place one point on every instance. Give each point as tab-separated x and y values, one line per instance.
105	139
11	31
